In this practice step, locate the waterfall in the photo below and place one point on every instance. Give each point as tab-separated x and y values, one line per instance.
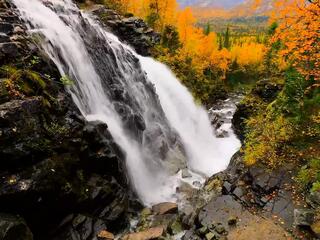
149	113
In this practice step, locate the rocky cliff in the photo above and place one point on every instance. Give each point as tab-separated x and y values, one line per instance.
60	176
131	30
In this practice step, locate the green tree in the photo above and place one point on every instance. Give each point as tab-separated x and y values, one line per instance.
220	41
227	43
154	15
207	29
170	38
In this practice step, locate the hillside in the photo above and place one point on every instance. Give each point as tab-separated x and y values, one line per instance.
238	25
206	10
210	3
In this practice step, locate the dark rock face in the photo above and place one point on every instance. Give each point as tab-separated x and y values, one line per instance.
14	228
267	90
132	30
238	122
55	165
58	168
6	28
10	31
62	175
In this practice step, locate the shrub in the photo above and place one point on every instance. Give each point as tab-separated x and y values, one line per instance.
309	175
287	129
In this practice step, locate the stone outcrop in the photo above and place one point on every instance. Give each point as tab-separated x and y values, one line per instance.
63	176
251	201
131	30
12	38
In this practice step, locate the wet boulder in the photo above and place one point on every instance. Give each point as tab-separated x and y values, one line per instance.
14	228
151	233
303	217
165	208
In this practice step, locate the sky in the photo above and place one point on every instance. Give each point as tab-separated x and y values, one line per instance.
210	3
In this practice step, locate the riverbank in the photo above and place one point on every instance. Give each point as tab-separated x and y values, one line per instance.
242	202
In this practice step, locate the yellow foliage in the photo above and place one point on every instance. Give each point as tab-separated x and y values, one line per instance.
248	53
221	60
268	139
166	10
198	49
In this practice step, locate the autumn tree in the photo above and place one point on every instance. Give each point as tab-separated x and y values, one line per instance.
199	57
299	31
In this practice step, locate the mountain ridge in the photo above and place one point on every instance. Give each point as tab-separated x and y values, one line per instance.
227	4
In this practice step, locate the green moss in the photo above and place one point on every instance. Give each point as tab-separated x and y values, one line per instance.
316	186
66	80
55	129
24	81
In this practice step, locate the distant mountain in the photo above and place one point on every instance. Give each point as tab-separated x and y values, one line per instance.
226	9
210	3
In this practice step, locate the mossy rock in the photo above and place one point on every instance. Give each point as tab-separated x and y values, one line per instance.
176	227
4	94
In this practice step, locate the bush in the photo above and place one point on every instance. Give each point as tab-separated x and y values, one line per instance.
309	175
288	129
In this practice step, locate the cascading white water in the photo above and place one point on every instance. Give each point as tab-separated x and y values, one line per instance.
64	39
207	154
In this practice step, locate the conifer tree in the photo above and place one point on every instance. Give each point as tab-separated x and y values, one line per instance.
207	29
227	44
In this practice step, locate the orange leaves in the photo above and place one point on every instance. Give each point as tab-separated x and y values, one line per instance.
185	25
299	30
201	50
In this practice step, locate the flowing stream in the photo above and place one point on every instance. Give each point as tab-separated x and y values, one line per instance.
150	114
